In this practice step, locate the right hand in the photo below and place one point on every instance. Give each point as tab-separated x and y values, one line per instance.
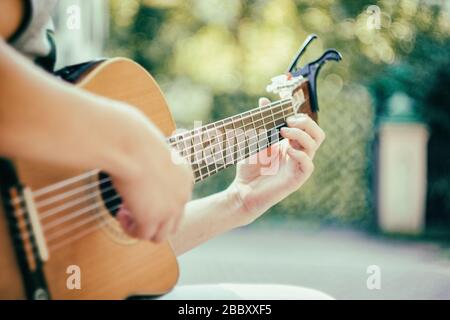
59	124
153	186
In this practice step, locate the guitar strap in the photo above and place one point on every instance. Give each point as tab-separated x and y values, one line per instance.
74	72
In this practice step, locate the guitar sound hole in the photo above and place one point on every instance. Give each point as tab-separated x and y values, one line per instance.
111	198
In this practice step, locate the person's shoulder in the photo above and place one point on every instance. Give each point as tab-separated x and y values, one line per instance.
14	15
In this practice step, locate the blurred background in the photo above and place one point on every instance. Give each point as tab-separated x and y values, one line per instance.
380	194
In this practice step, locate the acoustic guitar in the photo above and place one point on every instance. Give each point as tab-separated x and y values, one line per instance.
58	235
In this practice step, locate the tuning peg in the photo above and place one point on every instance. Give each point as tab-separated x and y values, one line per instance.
283	85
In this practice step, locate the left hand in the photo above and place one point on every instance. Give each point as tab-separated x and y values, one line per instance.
271	175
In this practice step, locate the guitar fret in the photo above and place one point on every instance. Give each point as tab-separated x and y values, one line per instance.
280	120
240	139
246	122
230	138
267	116
259	122
223	143
273	118
188	150
197	144
252	136
180	145
212	167
218	155
228	141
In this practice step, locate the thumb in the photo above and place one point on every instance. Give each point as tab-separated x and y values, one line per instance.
125	219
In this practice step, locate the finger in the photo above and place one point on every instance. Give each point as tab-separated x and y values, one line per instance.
149	231
263	101
302	139
124	218
305	163
143	232
304	122
134	229
162	233
176	224
173	225
176	220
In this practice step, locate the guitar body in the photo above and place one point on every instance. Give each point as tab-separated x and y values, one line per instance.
111	265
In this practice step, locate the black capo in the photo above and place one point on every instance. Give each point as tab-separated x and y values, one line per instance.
311	70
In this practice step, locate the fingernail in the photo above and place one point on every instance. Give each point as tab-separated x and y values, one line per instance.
129	222
263	101
290	119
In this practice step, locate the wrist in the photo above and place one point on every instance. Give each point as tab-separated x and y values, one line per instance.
239	211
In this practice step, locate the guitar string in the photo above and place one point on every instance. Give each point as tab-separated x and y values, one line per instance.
71	203
59	197
39	192
94	184
65	206
228	149
79	224
60	233
241	156
58	185
119	265
85	232
76	236
89	174
204	132
243	115
73	216
77	213
224	138
65	231
200	131
86	210
244	155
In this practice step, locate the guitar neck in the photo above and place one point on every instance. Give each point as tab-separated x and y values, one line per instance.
219	145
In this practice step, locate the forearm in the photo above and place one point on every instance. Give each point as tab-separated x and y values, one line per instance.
207	218
44	119
11	12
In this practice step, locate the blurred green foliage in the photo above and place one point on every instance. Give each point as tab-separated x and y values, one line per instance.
425	76
213	58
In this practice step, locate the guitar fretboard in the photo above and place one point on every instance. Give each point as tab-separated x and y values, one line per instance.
216	146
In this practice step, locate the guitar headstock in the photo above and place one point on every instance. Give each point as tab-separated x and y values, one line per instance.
296	89
300	84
